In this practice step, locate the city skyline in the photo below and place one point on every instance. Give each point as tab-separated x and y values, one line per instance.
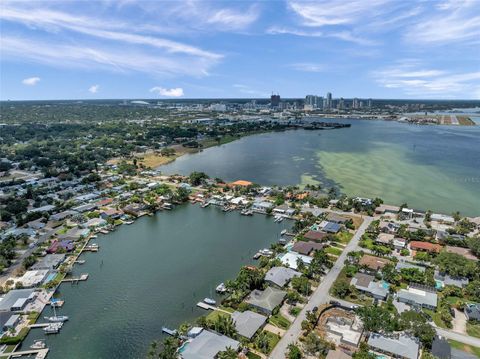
380	49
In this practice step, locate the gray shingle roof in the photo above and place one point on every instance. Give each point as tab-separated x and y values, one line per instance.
280	275
247	323
207	345
402	346
267	299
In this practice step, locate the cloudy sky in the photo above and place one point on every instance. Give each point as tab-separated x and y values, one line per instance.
198	49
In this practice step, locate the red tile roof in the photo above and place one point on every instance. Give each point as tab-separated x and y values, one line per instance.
427	246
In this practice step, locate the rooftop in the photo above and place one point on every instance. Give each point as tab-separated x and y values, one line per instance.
280	275
402	346
207	345
267	299
372	262
247	323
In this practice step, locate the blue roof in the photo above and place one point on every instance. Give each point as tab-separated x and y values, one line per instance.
332	227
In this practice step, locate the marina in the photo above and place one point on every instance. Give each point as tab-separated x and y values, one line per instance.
127	279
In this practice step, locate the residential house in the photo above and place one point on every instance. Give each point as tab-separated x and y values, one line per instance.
335	218
385	238
207	345
373	263
280	276
418	297
472	311
425	247
388	227
400	346
266	300
248	323
315	236
306	248
291	259
366	284
446	279
330	227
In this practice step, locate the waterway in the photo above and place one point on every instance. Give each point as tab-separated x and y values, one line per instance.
151	274
427	167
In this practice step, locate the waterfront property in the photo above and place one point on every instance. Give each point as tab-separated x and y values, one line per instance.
418	297
266	300
207	345
248	323
280	276
366	283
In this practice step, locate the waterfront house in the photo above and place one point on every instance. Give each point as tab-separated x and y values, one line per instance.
472	311
315	235
425	247
291	259
65	244
95	223
11	300
266	300
49	262
280	276
207	345
306	248
31	278
400	346
74	234
418	297
262	206
104	202
366	283
373	263
386	209
248	323
111	213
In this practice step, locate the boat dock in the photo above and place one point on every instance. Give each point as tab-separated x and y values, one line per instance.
172	332
39	353
90	248
206	306
76	279
39	325
80	261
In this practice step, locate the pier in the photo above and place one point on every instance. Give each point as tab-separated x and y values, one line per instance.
76	279
39	353
206	306
39	325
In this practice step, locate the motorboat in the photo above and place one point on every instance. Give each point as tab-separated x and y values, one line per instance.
210	301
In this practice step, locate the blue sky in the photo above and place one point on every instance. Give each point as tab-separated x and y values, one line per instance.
198	49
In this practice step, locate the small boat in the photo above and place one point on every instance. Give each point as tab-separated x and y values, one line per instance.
221	288
80	261
57	318
246	212
206	204
128	222
53	328
104	231
257	255
210	301
57	303
38	344
167	206
283	232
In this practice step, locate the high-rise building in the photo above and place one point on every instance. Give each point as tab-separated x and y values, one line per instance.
369	103
275	100
329	100
341	104
355	103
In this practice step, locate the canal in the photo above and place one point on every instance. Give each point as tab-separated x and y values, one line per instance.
151	274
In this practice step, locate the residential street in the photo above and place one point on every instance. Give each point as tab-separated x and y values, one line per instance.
320	296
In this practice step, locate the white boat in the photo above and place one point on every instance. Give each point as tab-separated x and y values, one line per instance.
128	222
206	204
38	344
283	232
57	318
210	301
53	328
221	288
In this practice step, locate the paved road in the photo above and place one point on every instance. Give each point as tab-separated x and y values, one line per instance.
320	296
462	338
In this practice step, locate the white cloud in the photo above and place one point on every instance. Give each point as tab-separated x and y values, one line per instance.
31	81
232	19
428	83
93	88
454	22
105	58
173	92
308	67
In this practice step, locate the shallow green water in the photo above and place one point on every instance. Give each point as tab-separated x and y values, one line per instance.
151	274
427	167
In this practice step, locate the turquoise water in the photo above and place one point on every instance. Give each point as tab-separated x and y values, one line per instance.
50	277
427	167
151	274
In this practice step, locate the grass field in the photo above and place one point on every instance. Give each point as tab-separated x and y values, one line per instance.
467	348
279	321
333	250
473	329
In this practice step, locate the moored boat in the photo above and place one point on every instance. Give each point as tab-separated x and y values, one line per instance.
210	301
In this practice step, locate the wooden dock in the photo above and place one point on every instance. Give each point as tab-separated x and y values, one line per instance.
205	306
39	325
39	353
76	279
90	249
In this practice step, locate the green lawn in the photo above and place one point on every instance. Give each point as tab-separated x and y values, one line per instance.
333	250
344	237
465	347
359	299
473	329
273	339
251	355
213	315
436	318
279	321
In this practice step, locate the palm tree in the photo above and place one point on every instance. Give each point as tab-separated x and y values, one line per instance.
229	353
262	342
